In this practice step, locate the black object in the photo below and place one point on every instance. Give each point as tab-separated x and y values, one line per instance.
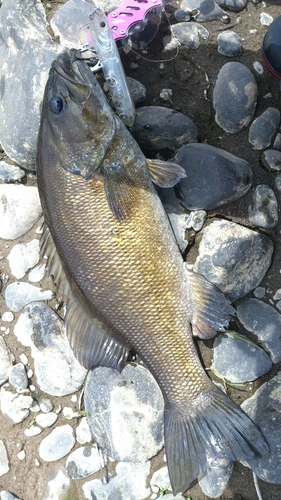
271	50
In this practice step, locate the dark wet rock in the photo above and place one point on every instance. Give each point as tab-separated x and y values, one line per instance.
264	128
271	159
229	44
26	54
185	34
233	5
125	412
213	176
207	10
218	474
137	90
264	408
181	15
235	97
264	211
238	359
233	257
156	127
263	321
177	216
18	377
277	141
278	182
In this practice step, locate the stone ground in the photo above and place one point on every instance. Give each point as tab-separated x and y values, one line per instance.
190	97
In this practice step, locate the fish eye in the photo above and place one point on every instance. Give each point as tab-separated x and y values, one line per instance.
56	105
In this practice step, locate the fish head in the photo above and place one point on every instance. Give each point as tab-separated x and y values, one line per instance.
76	117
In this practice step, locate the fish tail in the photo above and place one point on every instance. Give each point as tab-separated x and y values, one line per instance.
211	426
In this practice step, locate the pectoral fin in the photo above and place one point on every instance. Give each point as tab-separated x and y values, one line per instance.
119	190
165	173
211	309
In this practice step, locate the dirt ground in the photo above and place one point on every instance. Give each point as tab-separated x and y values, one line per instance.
190	97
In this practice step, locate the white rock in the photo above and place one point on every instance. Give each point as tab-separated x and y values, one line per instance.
265	19
57	444
160	480
23	359
19	210
22	257
19	294
4	463
6	495
37	273
83	462
83	433
32	431
18	377
258	67
46	419
21	455
46	405
8	317
57	486
6	361
10	173
15	406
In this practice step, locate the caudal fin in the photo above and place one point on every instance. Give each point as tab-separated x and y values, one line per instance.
213	425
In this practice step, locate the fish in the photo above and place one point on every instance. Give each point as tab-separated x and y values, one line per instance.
118	269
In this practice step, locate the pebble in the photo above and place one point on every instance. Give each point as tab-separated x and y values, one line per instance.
156	127
6	495
20	208
166	94
57	444
233	5
207	10
32	431
83	462
258	67
24	359
271	159
185	34
8	317
4	462
238	359
263	321
181	15
196	220
83	433
213	177
229	44
21	455
19	294
177	216
160	480
46	405
264	211
6	361
15	406
277	141
46	419
37	274
264	128
259	292
235	97
264	408
58	488
22	257
129	483
233	257
10	173
278	182
265	19
18	377
57	371
137	90
125	412
218	474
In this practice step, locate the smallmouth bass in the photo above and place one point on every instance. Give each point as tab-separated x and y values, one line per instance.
118	268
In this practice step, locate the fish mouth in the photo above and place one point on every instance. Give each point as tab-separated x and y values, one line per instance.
75	80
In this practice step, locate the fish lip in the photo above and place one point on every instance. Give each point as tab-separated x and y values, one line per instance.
75	80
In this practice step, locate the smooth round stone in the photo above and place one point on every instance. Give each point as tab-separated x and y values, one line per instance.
207	10
277	141
83	462
57	444
263	128
32	431
181	15
238	359
263	321
18	377
218	474
22	257
229	44
213	176
4	462
259	292
235	97
233	5
258	67
6	361
10	173
137	90
46	419
83	433
19	294
156	127
264	408
125	412
46	405
233	257
272	160
264	211
8	317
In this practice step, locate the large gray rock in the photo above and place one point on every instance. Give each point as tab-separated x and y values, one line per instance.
229	44
26	54
263	128
235	97
233	258
213	176
207	10
19	294
125	412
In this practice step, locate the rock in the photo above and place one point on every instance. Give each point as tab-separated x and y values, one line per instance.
264	128
19	209
8	317
19	294
263	321
258	67
26	54
218	474
234	97
213	177
46	419
156	127
58	487
233	5
37	273
186	34
4	463
137	90
233	258
177	216
6	361
32	431
272	160
22	257
170	496
277	141
259	292
196	220
207	10
264	211
15	406
57	371
160	480
83	433
129	483
57	444
229	44
10	173
238	359
46	405
6	495
265	19
67	21
17	377
125	412
83	462
264	408
181	15
278	182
